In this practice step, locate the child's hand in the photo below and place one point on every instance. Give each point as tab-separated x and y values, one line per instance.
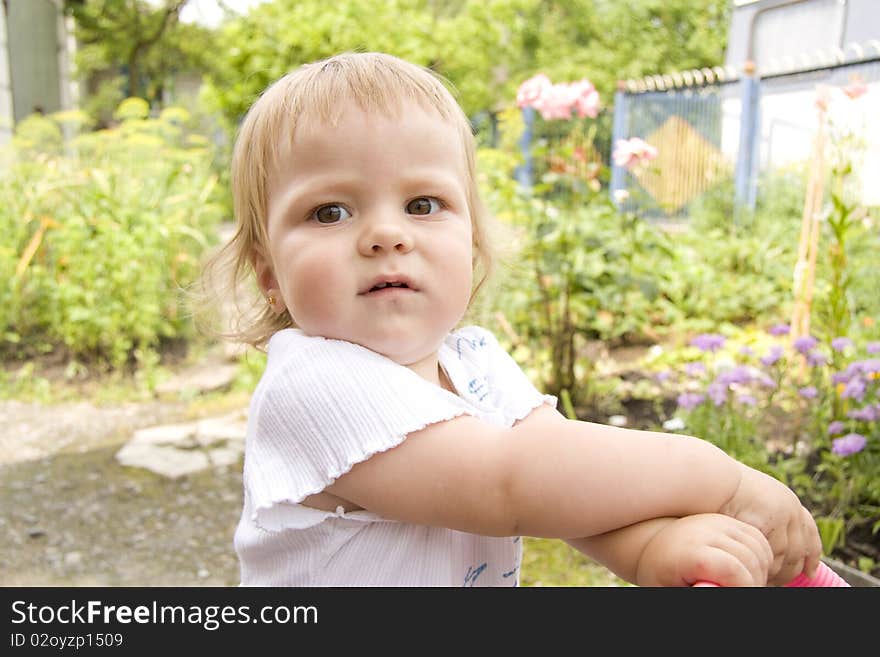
710	547
772	507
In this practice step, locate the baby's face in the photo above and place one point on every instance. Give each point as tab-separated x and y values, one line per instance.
369	232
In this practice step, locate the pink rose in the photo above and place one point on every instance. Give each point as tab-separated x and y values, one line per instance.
530	90
632	152
586	98
555	102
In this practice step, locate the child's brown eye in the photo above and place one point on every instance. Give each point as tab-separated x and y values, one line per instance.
330	214
423	205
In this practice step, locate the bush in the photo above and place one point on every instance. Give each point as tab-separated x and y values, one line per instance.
100	233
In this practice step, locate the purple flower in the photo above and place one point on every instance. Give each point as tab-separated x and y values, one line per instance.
873	347
866	414
809	392
662	376
690	400
695	369
871	366
804	343
738	374
841	377
839	344
747	400
717	392
746	351
766	381
836	427
851	443
779	329
816	358
855	389
708	342
772	356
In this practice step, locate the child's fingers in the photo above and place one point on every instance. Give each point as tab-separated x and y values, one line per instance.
758	543
804	549
758	549
753	553
731	565
777	538
795	554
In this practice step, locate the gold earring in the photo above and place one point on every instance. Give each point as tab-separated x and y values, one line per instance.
270	300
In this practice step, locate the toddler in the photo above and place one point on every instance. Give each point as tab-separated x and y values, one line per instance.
389	446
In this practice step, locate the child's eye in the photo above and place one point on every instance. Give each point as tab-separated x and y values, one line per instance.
330	214
423	205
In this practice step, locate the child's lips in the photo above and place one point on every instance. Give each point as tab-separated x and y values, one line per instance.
387	282
389	291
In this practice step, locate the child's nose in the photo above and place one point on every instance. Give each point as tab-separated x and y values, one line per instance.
385	235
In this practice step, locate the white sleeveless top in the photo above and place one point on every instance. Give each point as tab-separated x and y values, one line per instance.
323	406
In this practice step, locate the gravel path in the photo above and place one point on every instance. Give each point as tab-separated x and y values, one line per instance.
71	515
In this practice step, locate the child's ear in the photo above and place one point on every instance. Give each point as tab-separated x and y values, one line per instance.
266	280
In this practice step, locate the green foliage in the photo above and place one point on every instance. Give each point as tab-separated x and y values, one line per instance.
486	48
583	271
133	48
99	234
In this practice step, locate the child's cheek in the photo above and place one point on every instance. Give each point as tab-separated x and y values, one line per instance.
318	288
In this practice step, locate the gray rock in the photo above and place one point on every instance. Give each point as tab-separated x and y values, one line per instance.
174	450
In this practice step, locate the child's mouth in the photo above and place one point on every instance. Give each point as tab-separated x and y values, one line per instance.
388	286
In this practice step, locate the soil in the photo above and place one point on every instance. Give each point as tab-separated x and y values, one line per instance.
84	520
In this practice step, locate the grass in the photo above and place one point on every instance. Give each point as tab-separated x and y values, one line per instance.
552	562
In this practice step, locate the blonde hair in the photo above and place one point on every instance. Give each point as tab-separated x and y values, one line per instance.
376	82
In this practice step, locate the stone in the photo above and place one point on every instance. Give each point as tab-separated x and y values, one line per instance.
206	378
174	450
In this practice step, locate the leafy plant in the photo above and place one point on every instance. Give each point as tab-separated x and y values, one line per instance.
100	233
744	398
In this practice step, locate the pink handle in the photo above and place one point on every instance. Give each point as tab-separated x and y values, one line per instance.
825	577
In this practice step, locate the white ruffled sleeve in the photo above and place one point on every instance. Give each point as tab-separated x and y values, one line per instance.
321	407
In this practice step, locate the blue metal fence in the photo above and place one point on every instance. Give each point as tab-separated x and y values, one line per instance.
719	126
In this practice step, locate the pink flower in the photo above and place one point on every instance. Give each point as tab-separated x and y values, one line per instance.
530	90
632	152
556	102
856	87
586	98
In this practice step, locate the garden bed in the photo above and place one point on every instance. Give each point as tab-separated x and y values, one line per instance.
859	543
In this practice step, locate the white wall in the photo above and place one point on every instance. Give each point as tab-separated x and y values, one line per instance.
6	120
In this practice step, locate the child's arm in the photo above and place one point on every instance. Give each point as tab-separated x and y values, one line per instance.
682	551
553	477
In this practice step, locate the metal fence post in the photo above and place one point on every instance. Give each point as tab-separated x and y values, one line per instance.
621	109
524	172
747	157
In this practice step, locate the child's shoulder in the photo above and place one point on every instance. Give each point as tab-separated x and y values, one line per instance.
294	357
290	342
